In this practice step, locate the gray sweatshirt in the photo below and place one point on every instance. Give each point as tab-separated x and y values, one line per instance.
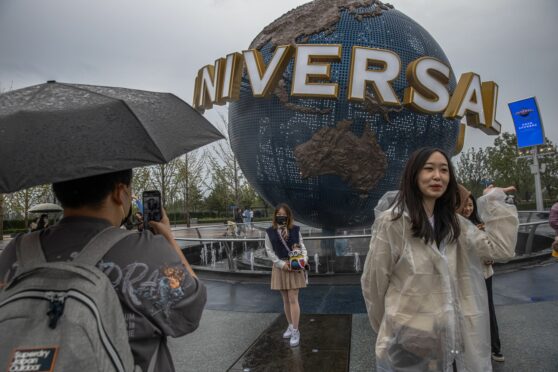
158	296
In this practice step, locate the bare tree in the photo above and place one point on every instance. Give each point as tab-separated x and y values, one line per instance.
179	180
19	202
141	180
223	166
164	178
190	180
219	184
472	170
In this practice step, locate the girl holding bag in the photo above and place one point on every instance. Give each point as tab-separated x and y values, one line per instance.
284	245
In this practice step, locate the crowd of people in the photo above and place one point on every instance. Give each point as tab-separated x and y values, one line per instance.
242	222
427	279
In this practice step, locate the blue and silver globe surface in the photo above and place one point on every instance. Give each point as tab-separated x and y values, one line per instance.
264	132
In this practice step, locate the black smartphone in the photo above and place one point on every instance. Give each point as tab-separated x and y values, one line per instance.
152	208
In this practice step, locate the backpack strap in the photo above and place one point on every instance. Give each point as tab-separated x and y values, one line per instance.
101	243
152	363
28	251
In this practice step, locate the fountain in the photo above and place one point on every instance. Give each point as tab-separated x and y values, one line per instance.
357	262
213	258
203	255
214	252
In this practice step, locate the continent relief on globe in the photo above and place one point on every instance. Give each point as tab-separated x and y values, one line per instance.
310	19
337	151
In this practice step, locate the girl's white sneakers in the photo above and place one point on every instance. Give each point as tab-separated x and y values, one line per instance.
288	332
295	338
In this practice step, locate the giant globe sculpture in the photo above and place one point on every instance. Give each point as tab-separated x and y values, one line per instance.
332	159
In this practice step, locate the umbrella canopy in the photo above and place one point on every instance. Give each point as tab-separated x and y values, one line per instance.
45	208
56	132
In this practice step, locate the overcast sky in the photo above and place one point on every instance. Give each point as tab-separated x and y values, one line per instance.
160	45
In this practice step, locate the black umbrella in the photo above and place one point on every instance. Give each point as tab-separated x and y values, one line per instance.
56	132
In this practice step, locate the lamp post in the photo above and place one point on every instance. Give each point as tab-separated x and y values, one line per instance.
536	169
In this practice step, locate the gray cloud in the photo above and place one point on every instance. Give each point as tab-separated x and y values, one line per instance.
161	45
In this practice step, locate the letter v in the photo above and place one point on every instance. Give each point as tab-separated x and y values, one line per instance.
263	79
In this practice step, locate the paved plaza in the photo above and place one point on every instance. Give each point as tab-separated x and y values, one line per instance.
237	313
241	314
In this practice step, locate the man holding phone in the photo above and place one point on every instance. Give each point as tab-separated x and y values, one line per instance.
158	290
152	207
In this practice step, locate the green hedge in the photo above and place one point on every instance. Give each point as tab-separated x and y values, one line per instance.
14	226
14	232
203	215
180	216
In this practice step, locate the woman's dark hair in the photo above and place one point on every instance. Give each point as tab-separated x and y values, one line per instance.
289	216
474	217
410	198
89	191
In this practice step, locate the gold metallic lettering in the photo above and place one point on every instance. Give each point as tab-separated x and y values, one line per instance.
307	68
427	92
467	101
460	139
211	79
197	103
489	103
386	66
230	88
473	101
263	79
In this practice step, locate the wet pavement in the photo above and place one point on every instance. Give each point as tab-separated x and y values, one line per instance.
326	347
243	316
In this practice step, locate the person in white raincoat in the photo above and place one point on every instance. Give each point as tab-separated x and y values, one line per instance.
422	280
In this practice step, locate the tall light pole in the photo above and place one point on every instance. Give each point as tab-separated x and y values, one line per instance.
530	134
535	152
536	171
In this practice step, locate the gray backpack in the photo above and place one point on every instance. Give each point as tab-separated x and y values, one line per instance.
63	316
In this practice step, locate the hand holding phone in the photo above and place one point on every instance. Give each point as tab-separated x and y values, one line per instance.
152	208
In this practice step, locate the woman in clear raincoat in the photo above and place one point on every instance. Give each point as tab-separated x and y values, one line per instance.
422	281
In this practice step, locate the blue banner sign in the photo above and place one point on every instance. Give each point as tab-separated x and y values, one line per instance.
527	122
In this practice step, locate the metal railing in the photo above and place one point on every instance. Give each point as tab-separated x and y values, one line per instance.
312	235
528	215
245	227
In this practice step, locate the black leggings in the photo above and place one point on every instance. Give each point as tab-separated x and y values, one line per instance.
494	334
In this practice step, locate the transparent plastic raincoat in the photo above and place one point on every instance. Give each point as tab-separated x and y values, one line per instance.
428	305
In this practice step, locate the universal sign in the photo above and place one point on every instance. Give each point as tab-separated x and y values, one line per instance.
427	92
